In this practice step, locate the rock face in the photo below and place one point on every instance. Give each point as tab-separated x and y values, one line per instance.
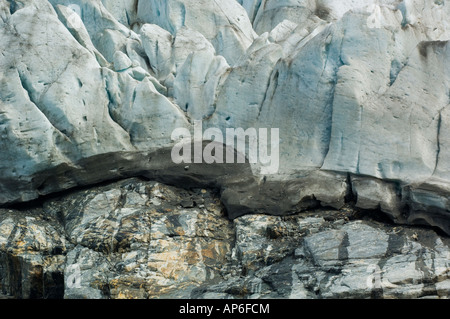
143	239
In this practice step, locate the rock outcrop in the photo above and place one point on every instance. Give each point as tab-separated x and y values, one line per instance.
143	239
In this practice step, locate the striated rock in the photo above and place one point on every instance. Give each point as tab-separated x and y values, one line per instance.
138	239
339	259
373	194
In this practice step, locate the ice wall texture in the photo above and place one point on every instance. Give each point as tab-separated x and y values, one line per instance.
92	90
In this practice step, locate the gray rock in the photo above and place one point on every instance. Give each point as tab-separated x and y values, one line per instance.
32	249
375	194
137	239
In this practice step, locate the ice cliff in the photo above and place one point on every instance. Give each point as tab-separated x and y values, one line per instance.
92	90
